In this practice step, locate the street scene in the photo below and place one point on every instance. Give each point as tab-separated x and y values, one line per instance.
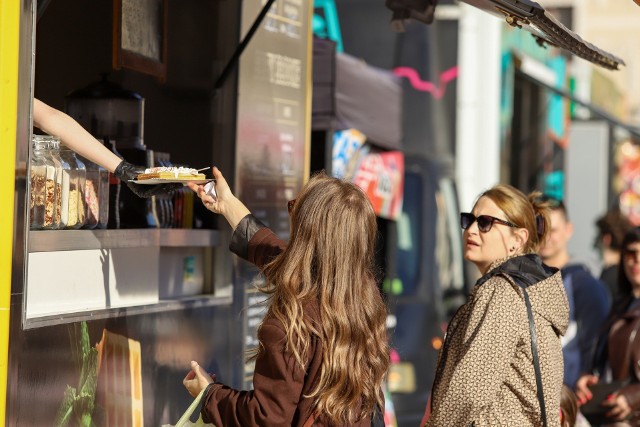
386	213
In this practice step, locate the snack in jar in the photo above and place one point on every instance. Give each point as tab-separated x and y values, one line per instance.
92	196
42	180
75	177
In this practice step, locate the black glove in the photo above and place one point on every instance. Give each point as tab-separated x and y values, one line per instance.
127	172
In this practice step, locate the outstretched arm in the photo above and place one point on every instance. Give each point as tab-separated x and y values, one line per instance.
74	136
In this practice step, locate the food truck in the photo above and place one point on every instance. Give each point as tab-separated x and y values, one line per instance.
101	319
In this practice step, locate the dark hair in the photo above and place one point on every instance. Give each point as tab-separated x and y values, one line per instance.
624	285
555	204
614	224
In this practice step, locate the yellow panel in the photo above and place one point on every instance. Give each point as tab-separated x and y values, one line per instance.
9	43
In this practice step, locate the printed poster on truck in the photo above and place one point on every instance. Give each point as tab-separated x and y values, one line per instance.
379	173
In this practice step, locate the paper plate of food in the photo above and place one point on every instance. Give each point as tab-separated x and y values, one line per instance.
171	174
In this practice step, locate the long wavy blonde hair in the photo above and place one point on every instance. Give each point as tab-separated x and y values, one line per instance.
330	259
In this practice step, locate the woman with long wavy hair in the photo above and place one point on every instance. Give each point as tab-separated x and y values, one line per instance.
323	347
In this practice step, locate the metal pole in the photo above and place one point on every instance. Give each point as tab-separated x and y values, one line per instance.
243	44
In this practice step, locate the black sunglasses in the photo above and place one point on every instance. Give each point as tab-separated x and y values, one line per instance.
485	222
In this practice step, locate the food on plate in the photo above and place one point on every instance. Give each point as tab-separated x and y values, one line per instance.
172	173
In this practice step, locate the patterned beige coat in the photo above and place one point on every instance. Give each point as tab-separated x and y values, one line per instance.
485	374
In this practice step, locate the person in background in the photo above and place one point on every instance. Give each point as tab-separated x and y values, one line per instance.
568	407
323	351
612	227
570	415
617	356
74	136
486	372
590	296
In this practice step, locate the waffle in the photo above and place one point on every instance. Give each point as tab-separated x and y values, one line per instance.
171	173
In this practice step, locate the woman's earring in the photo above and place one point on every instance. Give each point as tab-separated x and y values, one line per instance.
513	249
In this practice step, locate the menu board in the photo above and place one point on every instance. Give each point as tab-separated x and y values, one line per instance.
274	109
274	116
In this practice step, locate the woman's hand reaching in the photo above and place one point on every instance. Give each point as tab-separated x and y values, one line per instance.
219	203
225	203
197	379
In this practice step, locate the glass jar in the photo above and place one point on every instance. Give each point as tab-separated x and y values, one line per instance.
62	185
75	176
96	195
42	204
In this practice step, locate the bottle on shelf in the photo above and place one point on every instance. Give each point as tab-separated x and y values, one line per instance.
113	213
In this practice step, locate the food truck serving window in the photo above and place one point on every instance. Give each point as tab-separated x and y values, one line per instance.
146	255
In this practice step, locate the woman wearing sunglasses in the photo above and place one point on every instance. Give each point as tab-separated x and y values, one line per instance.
323	346
616	364
489	373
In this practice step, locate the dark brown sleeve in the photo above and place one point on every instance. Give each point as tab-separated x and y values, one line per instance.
256	243
277	387
244	232
265	246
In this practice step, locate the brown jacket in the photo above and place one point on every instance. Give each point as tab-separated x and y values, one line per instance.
280	384
485	374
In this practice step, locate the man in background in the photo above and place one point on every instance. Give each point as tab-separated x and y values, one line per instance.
612	227
590	296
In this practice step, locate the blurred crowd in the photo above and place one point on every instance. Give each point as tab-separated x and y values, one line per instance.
600	350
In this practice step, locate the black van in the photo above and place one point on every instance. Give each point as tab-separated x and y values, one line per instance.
424	281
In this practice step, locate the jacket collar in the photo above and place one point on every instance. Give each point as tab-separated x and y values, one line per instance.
528	267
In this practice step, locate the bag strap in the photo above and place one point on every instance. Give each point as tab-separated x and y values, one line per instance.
534	348
195	407
240	48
